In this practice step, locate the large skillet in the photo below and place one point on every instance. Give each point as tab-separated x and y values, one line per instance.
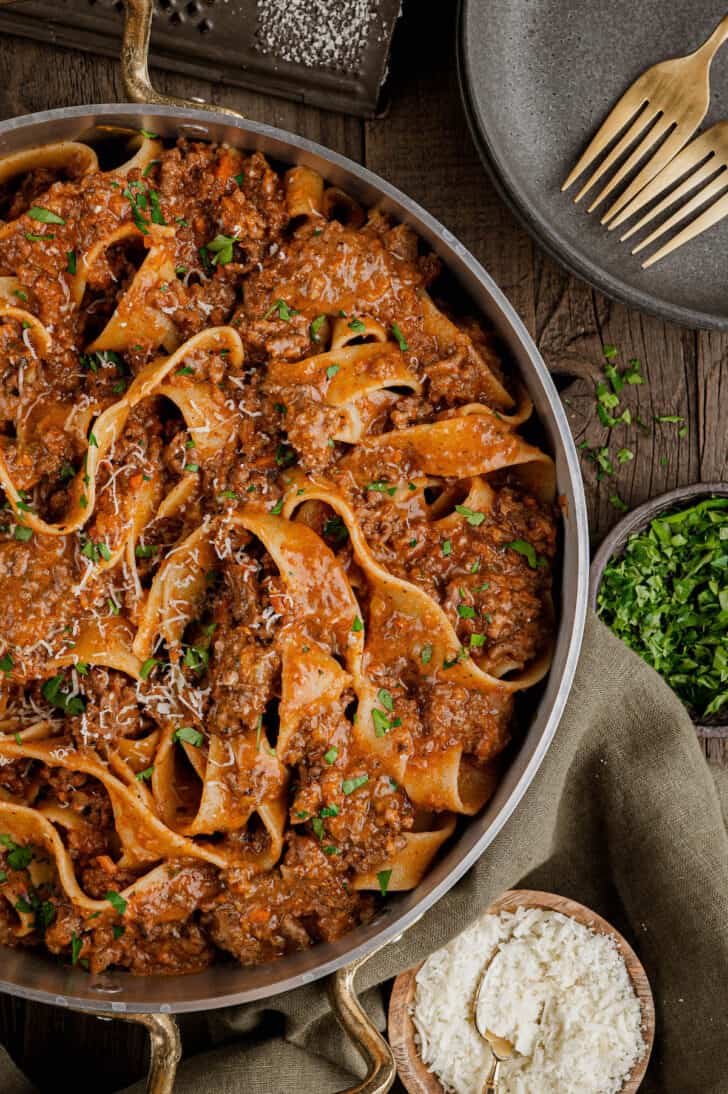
152	1000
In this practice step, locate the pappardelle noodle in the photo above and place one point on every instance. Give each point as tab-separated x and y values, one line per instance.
274	558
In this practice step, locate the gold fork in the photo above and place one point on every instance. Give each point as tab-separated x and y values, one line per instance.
702	167
670	101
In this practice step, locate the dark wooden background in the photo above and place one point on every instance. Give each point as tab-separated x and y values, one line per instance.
424	147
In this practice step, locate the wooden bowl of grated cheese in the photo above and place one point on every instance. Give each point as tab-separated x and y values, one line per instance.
431	1017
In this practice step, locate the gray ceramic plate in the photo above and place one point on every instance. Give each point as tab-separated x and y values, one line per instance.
538	78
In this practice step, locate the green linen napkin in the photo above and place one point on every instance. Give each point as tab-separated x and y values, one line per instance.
626	817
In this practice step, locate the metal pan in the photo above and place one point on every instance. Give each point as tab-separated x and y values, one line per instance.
152	1000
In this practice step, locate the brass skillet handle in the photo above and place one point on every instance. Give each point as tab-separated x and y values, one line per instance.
381	1069
165	1048
135	58
166	1051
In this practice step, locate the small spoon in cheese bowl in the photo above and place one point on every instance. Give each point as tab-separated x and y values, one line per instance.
585	1013
521	1026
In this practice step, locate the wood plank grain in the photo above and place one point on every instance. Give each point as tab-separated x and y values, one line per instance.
424	147
35	76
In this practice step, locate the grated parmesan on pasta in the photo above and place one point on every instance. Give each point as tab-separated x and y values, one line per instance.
556	989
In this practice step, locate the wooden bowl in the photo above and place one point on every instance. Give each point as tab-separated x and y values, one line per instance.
715	726
417	1079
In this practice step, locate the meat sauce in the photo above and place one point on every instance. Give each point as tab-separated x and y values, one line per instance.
241	259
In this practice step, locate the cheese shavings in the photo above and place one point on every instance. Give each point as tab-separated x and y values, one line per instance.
558	990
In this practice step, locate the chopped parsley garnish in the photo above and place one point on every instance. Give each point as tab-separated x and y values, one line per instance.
426	654
401	342
150	136
465	611
633	373
189	735
33	238
477	640
385	698
44	216
193	468
19	858
472	516
76	947
284	312
357	326
316	326
116	901
145	774
185	371
145	550
318	827
666	597
20	294
90	550
522	547
156	209
357	625
6	663
329	811
149	168
277	508
146	669
118	930
139	205
383	724
23	534
196	658
446	547
285	455
383	877
382	487
348	786
332	755
461	655
331	371
71	261
53	693
335	529
228	495
221	248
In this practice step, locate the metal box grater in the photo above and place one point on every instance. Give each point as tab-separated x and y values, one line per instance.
215	40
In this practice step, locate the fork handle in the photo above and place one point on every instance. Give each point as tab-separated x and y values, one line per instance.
711	46
490	1086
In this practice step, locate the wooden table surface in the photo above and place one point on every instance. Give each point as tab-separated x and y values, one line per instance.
422	146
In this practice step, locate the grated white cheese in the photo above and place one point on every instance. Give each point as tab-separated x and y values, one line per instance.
556	989
315	33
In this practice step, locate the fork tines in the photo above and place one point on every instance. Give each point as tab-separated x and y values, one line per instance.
700	171
647	118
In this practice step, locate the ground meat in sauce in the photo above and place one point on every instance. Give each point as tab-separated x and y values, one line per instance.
217	684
